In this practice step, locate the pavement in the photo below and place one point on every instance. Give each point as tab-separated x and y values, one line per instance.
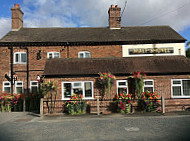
139	126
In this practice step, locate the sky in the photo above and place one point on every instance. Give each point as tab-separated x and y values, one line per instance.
94	13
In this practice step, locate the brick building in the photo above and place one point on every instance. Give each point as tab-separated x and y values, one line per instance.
74	57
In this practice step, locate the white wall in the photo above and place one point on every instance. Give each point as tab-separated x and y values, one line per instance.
175	46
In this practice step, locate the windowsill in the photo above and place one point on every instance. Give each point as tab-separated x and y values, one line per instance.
82	99
180	97
19	63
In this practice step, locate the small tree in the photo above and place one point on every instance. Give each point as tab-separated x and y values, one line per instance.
49	91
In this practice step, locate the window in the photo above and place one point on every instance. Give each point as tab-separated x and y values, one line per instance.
20	57
53	55
80	87
33	86
6	86
180	88
84	54
18	87
122	86
149	85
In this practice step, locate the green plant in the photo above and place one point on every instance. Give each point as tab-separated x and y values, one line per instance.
75	105
139	83
107	80
150	101
9	102
49	92
123	102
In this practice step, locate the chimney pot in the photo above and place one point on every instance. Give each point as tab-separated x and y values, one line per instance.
16	5
114	17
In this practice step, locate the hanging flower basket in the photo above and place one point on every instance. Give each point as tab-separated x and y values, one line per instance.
107	80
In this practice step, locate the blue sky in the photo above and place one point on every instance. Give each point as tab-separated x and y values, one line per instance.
93	13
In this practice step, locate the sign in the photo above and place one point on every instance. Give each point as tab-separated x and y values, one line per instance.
137	51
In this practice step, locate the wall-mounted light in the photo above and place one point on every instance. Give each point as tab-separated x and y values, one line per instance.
8	77
38	57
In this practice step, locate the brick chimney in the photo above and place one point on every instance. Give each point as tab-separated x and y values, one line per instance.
114	17
17	17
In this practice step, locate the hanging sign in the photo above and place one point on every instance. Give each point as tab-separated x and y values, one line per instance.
137	51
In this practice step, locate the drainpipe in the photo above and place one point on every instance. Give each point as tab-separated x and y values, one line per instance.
11	60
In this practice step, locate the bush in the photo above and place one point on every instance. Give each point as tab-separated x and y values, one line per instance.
123	102
76	105
150	101
10	102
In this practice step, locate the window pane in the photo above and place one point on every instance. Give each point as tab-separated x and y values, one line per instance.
67	90
23	57
7	89
176	82
7	84
122	90
56	55
19	90
34	89
176	90
88	89
81	55
78	91
122	83
186	87
50	55
148	83
16	58
77	84
149	89
87	55
34	83
19	83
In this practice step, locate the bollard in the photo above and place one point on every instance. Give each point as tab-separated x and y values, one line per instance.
41	107
163	105
98	105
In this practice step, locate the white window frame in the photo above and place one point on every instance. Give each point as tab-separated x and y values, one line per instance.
126	86
4	86
84	54
33	86
148	85
53	54
82	86
181	85
19	86
19	59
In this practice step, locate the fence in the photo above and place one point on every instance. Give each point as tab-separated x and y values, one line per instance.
98	105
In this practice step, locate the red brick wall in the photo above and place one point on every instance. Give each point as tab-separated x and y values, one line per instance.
162	86
34	64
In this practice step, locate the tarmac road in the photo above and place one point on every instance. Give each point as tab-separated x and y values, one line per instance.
24	127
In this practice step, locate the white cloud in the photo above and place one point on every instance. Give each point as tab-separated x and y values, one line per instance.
5	26
94	13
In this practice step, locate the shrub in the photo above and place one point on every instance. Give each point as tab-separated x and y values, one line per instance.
76	105
150	101
123	102
10	102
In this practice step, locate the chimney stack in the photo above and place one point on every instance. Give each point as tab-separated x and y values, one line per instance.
17	17
114	17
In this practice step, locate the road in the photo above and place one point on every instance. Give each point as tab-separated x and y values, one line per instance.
94	128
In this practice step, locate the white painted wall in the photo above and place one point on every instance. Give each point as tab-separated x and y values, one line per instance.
176	46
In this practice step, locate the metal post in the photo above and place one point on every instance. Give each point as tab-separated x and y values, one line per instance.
163	105
41	107
98	105
11	60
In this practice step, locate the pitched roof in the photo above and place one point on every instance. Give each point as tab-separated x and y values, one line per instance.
90	66
127	35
